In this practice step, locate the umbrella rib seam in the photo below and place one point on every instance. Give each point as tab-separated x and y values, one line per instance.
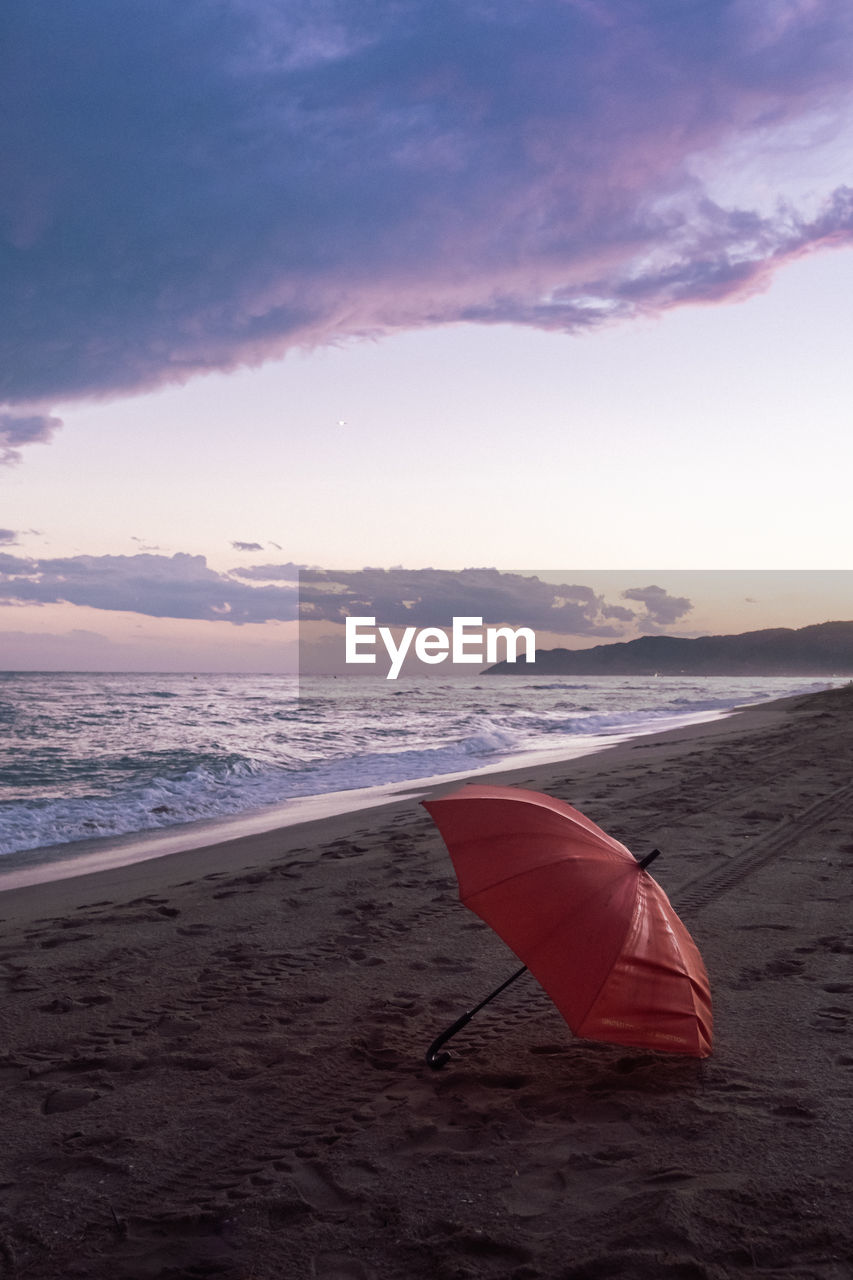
606	977
557	928
526	871
699	1013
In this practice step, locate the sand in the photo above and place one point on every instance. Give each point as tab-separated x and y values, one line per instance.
212	1063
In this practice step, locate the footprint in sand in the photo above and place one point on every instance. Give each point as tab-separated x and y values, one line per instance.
794	1111
832	1017
669	1177
337	1266
18	978
59	939
315	1186
68	1100
194	930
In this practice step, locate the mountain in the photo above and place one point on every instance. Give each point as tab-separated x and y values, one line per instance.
824	649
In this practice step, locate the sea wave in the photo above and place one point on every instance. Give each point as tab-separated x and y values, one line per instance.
221	788
84	760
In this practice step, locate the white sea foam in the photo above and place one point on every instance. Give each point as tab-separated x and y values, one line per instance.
94	756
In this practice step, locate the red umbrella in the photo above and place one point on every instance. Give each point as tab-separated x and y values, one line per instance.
596	931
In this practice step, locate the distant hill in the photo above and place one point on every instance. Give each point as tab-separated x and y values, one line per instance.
825	649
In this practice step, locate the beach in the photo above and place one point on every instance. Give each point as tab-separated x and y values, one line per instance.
212	1063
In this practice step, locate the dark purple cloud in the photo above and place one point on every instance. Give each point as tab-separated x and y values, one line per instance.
191	186
184	586
178	586
247	546
17	430
661	608
433	597
8	537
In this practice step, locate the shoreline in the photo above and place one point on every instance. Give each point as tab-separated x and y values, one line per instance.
102	856
98	854
212	1062
110	862
60	858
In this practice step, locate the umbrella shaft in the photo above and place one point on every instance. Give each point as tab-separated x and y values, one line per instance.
498	990
437	1060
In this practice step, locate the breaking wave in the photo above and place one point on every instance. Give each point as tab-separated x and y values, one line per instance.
98	757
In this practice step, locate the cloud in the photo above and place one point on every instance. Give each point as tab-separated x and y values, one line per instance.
195	186
178	586
247	546
661	609
433	597
8	537
17	430
184	586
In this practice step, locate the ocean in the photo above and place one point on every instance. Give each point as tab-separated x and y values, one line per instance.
97	757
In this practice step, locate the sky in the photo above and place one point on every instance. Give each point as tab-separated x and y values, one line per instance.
431	285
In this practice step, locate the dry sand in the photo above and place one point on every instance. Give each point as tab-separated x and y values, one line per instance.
212	1063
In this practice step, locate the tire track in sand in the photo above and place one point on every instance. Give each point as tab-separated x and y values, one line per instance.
791	831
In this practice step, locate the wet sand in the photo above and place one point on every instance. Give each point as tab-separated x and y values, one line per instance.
212	1062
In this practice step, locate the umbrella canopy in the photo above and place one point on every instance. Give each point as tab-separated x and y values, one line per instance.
596	931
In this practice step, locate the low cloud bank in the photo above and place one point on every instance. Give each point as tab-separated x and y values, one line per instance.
184	586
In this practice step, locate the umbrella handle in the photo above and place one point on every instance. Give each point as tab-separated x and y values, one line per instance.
438	1060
